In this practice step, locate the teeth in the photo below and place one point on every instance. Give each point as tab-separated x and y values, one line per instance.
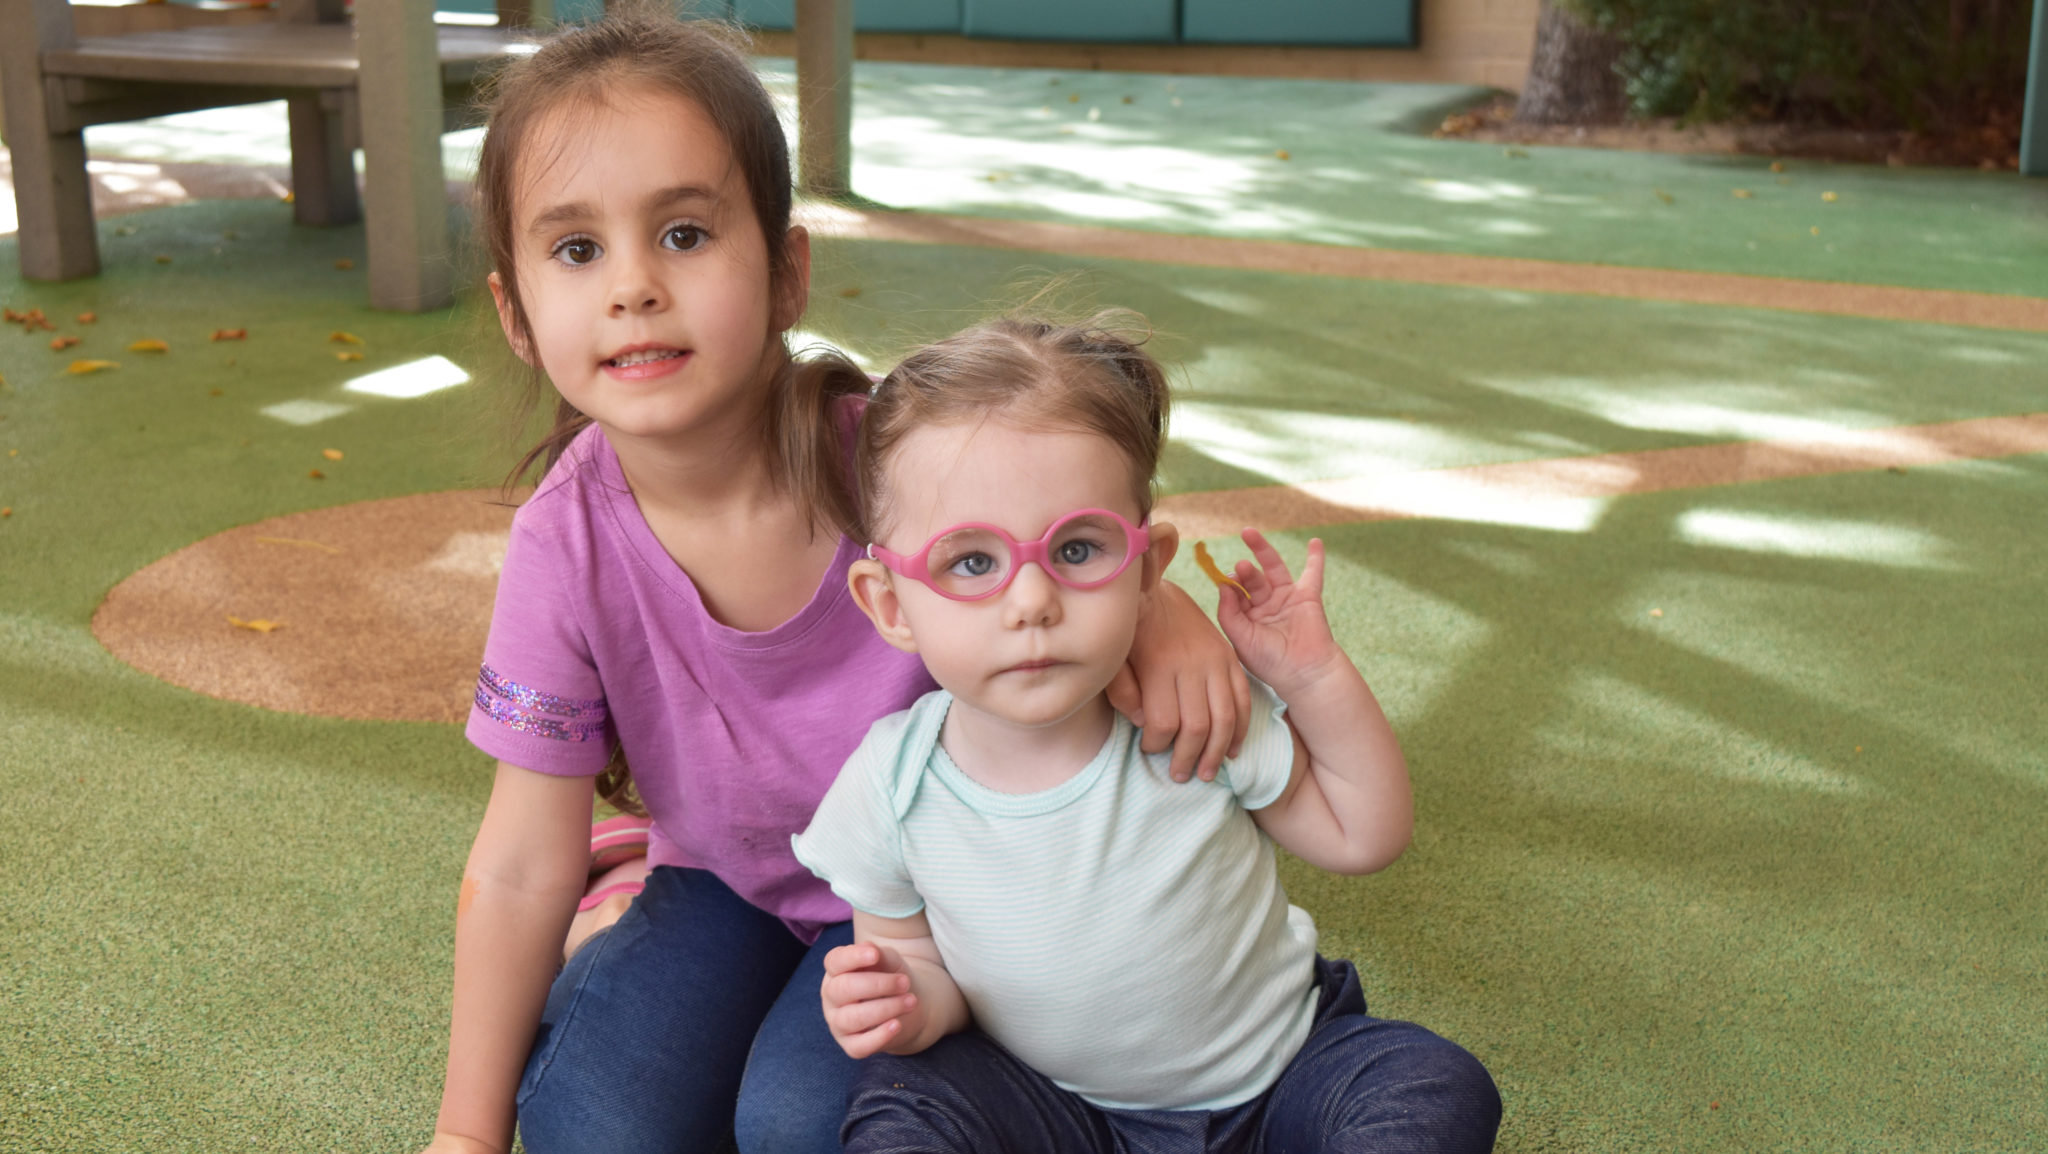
642	357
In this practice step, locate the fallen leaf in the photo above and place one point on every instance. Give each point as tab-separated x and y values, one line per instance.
1777	166
88	318
149	346
227	234
341	338
850	293
62	343
259	625
344	264
1216	574
14	452
1130	100
1656	613
125	230
7	512
1073	98
1815	230
214	392
1282	154
1666	197
1743	194
331	454
80	368
348	356
1829	197
315	475
302	544
230	335
288	198
163	258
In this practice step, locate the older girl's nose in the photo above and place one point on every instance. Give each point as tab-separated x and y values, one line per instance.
635	289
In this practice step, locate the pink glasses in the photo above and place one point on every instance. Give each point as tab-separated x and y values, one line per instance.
1083	550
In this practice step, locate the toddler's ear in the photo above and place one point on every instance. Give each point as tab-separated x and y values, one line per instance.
876	596
507	321
1165	543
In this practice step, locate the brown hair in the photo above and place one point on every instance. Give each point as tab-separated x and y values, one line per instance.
1092	377
643	45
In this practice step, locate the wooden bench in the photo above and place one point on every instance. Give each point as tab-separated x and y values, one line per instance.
393	80
393	83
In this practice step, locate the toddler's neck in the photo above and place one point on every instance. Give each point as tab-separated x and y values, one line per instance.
1012	758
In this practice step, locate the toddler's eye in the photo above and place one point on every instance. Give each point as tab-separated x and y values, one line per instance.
972	565
682	237
579	250
1077	552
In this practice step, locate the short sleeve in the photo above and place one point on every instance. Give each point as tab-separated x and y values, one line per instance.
854	842
1260	772
539	704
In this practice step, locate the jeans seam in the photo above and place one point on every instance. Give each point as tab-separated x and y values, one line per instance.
554	1042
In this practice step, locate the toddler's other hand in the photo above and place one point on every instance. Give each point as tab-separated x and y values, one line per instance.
868	1003
1281	633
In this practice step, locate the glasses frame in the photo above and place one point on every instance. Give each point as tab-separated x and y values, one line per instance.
917	566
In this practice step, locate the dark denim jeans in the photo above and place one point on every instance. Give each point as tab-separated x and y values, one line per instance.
1359	1084
691	1022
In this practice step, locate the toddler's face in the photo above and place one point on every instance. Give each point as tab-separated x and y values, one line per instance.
642	266
1034	654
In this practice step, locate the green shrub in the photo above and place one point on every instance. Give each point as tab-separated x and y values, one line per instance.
1913	64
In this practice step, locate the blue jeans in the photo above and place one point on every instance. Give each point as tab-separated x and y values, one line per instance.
1358	1084
691	1023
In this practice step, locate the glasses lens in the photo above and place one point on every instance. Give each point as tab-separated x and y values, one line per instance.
1087	549
968	562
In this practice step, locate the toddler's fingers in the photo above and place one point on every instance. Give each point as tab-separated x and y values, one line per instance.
1269	557
861	1017
1254	581
865	985
861	1045
1312	569
846	959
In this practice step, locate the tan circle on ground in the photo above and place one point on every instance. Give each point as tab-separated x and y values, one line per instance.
382	609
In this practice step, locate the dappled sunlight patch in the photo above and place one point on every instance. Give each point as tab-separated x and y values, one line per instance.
1818	538
1615	722
305	411
410	380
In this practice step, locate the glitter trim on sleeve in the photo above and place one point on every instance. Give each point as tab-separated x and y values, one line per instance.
528	710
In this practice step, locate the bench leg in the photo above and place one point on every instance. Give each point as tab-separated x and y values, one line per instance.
52	193
405	195
323	169
824	96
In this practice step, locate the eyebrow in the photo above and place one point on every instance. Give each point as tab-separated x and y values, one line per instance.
577	210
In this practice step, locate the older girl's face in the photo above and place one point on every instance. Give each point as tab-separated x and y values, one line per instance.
643	270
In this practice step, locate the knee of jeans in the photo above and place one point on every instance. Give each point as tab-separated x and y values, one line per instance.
775	1117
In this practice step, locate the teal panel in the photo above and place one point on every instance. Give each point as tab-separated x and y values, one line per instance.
2034	125
868	15
1385	23
567	11
1152	21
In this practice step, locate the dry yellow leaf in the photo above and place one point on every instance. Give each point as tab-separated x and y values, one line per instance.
1777	166
344	264
288	198
850	293
1815	230
163	258
87	318
348	356
149	346
1282	154
1656	613
82	367
1666	197
59	344
7	512
341	338
1743	194
258	625
315	475
331	454
1829	197
230	335
1216	574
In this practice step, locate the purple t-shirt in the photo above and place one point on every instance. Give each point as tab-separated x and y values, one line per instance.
599	640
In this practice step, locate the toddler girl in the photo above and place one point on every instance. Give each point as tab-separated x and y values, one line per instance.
1133	974
673	595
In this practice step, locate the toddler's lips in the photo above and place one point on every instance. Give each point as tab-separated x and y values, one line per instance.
1032	666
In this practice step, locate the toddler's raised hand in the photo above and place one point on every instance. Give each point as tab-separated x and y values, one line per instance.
868	1003
1279	627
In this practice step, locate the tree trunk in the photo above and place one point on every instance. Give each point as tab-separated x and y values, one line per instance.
1571	73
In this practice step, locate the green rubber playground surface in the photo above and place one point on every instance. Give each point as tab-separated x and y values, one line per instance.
1752	873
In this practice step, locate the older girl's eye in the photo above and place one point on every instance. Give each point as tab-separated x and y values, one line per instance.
682	237
577	250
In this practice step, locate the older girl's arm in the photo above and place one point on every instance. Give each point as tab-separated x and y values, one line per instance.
1182	684
526	870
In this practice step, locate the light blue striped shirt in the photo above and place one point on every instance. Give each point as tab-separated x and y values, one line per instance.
1125	935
